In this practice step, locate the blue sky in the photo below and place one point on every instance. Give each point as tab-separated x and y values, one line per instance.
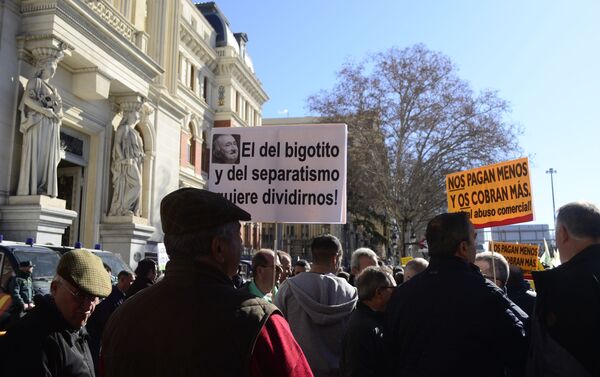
541	56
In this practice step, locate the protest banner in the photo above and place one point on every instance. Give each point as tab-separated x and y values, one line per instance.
405	260
493	195
288	174
521	255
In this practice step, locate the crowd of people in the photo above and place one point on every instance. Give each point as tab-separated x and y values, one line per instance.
460	313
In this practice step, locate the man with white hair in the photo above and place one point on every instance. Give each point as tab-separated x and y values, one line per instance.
362	343
414	267
361	258
566	329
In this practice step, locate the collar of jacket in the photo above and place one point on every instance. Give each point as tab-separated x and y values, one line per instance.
437	263
363	308
590	254
23	274
204	272
47	305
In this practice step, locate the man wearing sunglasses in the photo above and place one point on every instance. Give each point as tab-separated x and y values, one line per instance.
51	340
362	343
266	270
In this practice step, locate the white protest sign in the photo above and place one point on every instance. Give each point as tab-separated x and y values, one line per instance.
288	174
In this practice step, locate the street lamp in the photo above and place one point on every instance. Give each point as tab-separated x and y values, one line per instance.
551	171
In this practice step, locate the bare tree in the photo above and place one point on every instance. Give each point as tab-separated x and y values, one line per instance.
411	121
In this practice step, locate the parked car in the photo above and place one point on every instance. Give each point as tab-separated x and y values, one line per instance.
44	260
245	270
113	260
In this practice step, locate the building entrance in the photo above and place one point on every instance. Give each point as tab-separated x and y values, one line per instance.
70	189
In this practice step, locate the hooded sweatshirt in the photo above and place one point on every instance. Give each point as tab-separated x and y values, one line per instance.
318	307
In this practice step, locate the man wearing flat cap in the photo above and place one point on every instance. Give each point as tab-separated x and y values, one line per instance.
20	288
51	339
194	322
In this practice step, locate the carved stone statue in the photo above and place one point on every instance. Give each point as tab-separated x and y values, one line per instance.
41	117
126	168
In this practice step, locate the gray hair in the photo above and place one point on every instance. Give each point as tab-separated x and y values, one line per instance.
361	252
260	258
190	245
418	265
581	219
370	279
499	262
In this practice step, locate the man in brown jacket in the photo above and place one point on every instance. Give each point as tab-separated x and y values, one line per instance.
194	322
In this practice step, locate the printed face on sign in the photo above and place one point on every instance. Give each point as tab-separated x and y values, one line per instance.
225	149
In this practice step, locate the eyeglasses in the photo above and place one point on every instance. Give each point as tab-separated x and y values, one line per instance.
78	295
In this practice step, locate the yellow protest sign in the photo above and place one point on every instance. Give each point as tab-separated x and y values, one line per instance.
493	195
405	260
521	255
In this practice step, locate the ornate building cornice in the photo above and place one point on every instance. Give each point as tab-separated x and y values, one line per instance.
98	22
197	45
243	76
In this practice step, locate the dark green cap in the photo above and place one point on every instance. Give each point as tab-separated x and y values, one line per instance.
85	271
189	210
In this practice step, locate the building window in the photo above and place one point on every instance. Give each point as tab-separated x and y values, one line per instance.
191	79
191	147
205	89
182	68
205	152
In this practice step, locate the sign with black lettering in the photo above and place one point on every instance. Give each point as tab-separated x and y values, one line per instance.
294	174
521	255
493	195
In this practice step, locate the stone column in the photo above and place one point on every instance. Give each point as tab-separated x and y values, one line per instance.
126	235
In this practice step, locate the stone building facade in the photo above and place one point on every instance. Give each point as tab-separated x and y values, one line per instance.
177	66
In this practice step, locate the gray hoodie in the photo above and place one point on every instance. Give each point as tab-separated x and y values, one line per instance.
318	307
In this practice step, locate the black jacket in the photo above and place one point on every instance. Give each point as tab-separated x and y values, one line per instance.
568	310
449	321
139	283
43	344
95	325
522	297
362	344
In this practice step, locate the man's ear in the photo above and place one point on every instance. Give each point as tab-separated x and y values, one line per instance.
563	235
53	287
217	248
462	250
